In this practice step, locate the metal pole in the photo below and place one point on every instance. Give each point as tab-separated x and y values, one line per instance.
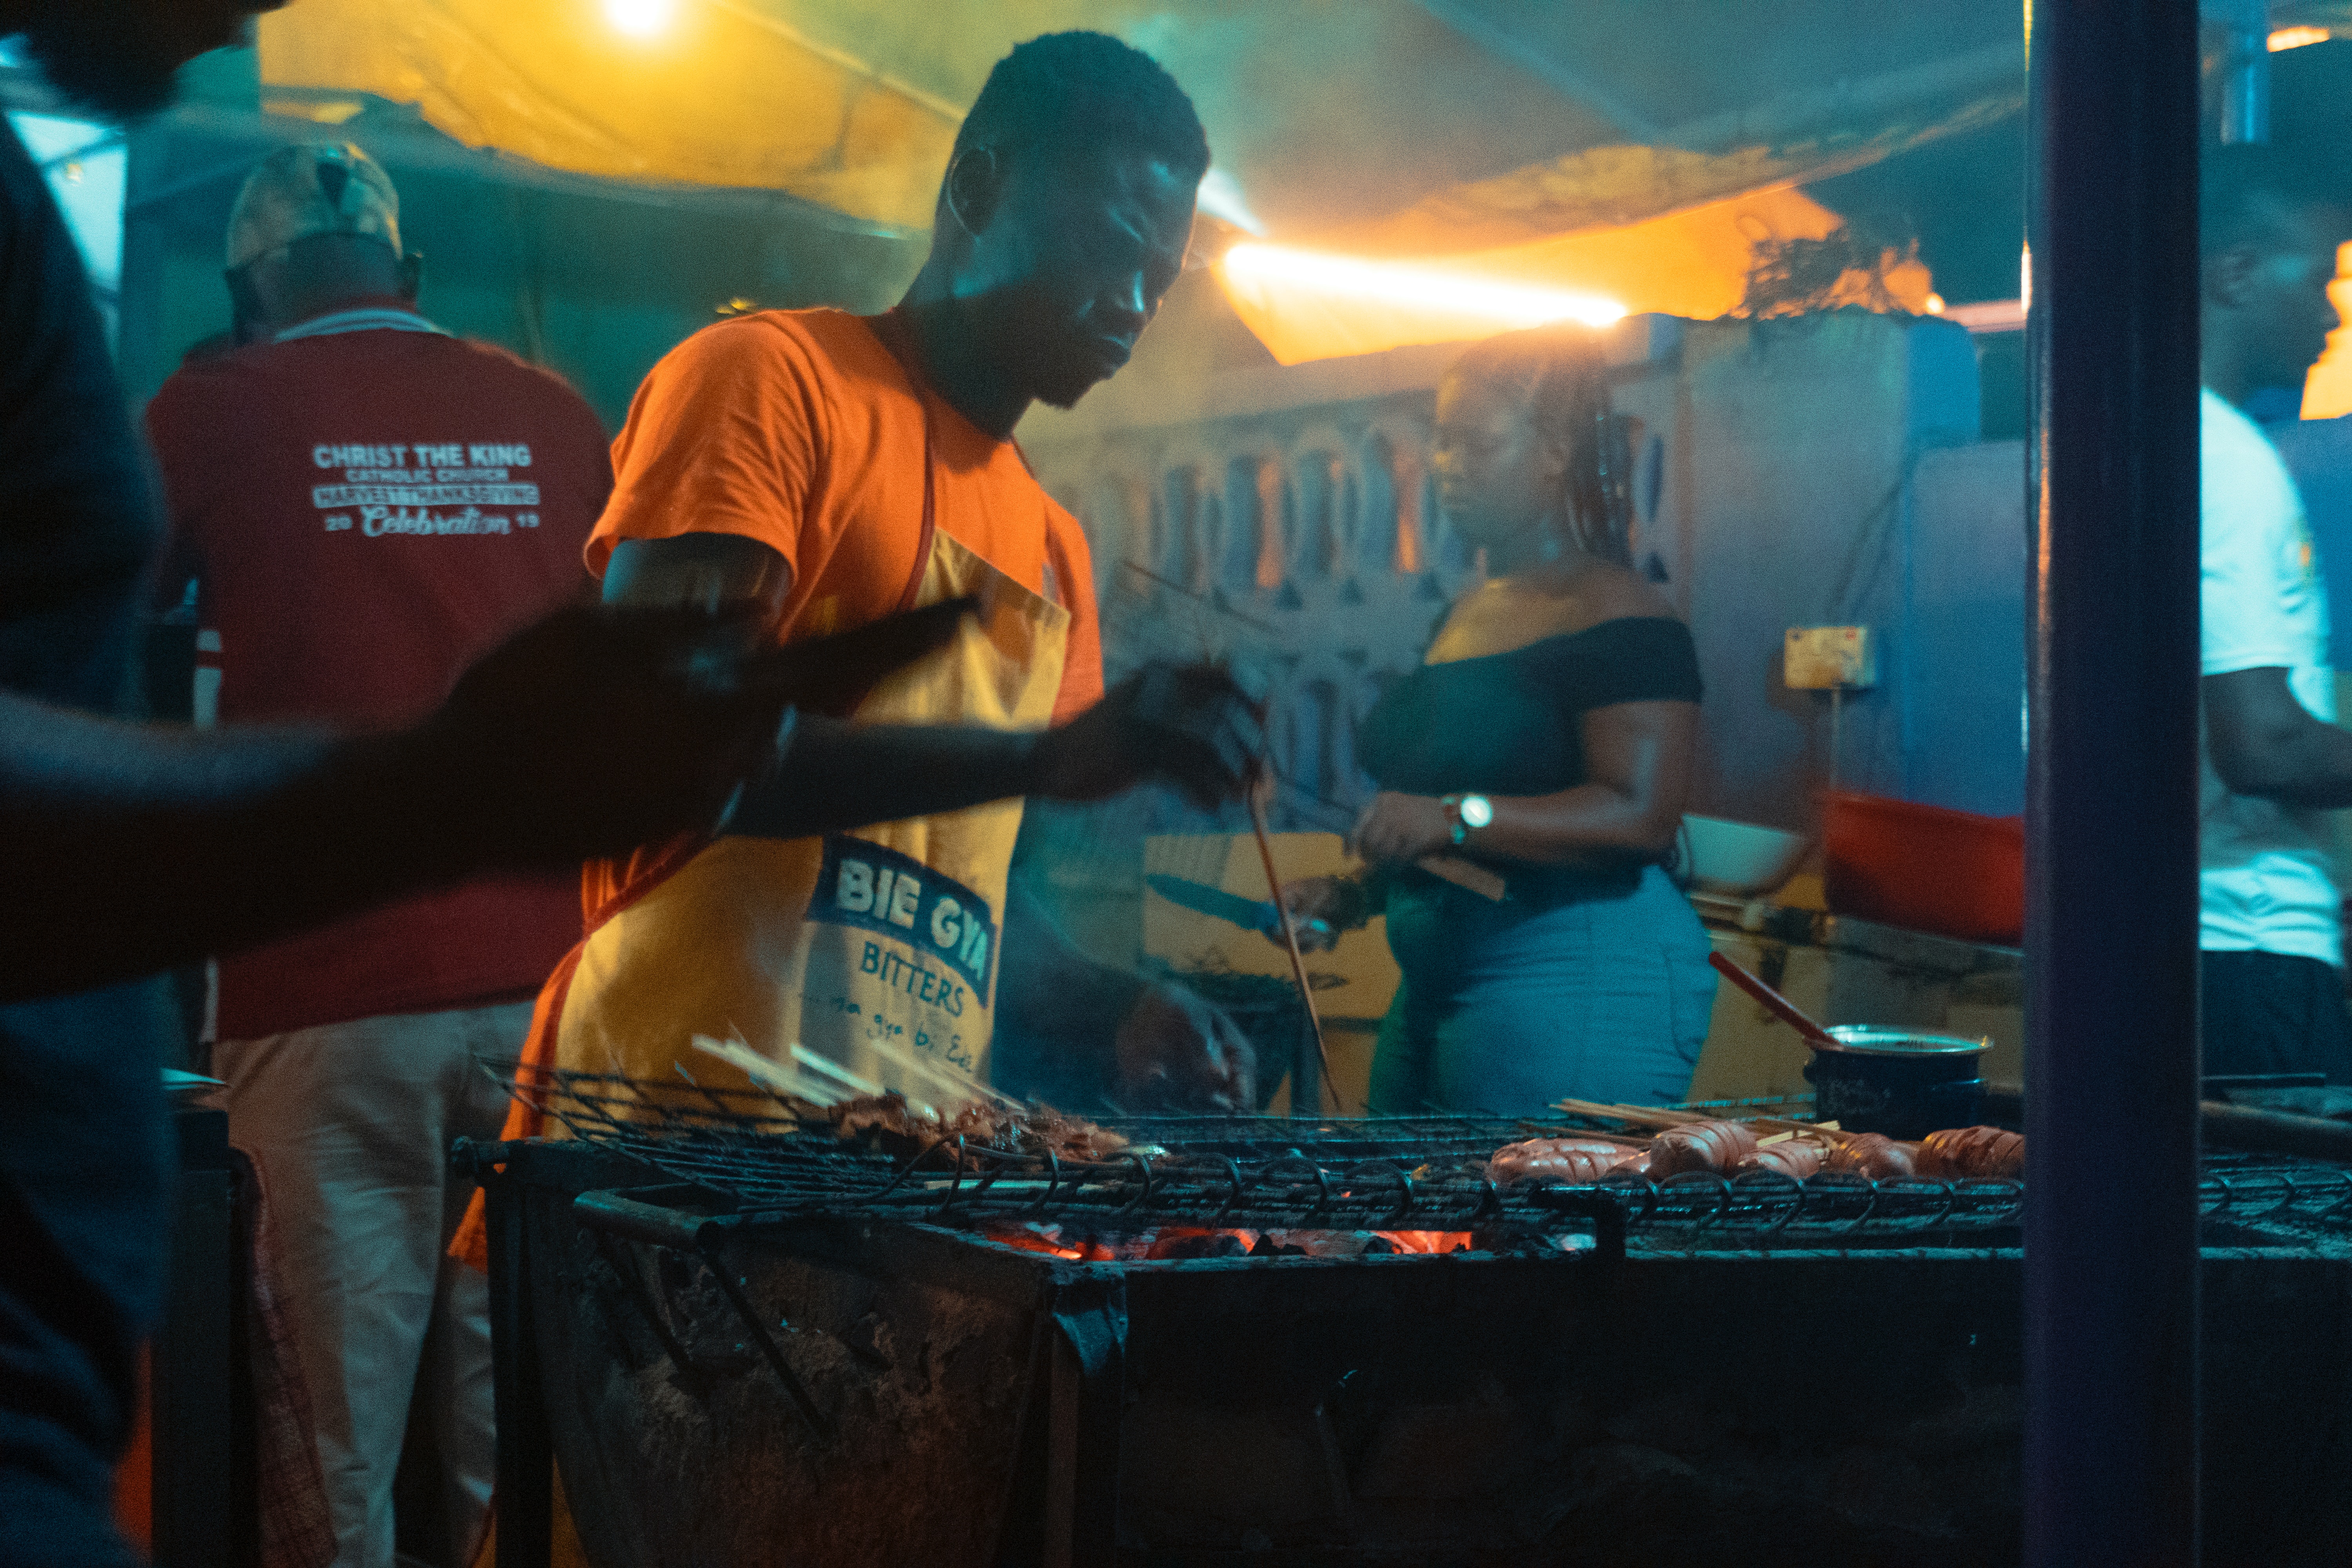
2111	797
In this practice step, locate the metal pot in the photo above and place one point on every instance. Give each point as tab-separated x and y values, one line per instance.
1899	1082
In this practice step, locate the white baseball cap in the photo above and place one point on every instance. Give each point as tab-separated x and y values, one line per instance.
322	188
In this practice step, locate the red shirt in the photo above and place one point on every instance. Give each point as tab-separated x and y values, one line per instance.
369	505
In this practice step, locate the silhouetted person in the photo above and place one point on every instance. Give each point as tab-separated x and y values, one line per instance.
367	503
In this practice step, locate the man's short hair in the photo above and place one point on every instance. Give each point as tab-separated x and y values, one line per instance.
2247	194
1077	89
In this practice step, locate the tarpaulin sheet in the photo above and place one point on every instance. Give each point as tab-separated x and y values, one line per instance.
853	105
1693	263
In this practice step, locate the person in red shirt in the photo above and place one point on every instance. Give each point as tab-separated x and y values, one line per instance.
367	504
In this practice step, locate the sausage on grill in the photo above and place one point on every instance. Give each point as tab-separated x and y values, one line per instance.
1972	1151
1700	1146
1793	1159
1876	1156
1559	1159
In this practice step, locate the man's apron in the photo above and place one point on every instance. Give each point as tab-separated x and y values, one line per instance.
859	946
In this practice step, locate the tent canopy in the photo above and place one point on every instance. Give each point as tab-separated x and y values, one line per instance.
1635	149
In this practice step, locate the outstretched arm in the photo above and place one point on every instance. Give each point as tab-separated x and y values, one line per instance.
125	847
1192	727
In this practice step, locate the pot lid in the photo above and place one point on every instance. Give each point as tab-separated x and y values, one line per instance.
1870	1039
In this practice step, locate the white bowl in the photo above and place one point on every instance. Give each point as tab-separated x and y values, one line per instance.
1739	858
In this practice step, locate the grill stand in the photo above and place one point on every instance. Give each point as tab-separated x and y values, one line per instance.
610	1215
526	1449
1384	1411
1089	1371
1082	1405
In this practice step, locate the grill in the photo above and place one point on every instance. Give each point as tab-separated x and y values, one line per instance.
748	1343
769	1162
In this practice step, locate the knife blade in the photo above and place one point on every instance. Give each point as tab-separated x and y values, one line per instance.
1249	914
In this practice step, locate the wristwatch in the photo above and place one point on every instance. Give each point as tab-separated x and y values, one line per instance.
1466	813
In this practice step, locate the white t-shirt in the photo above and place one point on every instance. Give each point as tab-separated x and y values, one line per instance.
2265	882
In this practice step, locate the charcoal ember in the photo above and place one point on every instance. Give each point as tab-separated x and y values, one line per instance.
1517	1238
1325	1243
1222	1244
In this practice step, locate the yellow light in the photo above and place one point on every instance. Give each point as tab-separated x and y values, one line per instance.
1935	304
641	18
1509	304
2295	38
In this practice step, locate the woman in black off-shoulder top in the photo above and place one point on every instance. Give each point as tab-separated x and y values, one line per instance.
1548	740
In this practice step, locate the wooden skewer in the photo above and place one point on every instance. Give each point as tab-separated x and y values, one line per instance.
1660	1118
826	1068
1290	937
939	1072
1639	1115
761	1070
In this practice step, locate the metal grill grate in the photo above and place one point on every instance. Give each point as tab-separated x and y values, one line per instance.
761	1154
2276	1190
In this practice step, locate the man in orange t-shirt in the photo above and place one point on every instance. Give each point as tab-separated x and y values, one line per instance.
835	469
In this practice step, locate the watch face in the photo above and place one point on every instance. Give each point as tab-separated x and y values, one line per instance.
1476	811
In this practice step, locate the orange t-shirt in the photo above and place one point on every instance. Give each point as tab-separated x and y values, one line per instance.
799	430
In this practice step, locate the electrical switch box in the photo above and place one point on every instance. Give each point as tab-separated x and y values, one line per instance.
1830	658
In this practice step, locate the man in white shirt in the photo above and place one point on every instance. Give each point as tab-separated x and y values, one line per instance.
2274	762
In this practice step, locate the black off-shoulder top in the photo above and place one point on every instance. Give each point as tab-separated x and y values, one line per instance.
1509	723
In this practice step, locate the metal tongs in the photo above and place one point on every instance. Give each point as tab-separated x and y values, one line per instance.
1260	787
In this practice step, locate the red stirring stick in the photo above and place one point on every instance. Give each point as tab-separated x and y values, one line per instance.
1781	1006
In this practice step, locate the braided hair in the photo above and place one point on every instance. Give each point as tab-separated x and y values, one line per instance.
1559	375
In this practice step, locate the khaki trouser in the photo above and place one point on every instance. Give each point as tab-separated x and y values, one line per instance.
350	1125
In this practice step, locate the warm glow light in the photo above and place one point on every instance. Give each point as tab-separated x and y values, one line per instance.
641	18
1509	304
2295	38
1988	315
1220	197
2327	389
2025	279
1935	304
